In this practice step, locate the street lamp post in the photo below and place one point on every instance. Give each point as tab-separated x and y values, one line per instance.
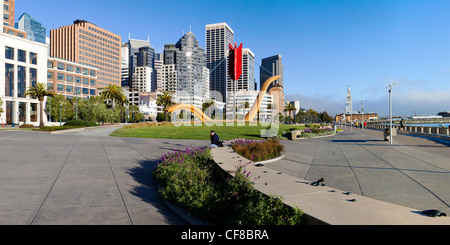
390	111
362	116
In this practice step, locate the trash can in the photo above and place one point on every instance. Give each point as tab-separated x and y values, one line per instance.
386	133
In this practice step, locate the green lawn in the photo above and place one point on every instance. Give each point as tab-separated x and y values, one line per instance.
199	132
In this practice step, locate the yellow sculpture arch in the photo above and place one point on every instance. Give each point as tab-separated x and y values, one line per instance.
197	112
255	108
250	115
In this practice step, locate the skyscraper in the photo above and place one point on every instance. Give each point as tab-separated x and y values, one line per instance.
8	13
141	53
190	66
88	44
247	80
218	38
35	30
271	66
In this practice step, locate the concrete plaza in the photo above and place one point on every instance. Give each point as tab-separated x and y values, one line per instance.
412	172
83	178
88	178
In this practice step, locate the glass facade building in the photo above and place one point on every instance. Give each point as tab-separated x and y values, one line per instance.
218	38
271	66
190	64
35	31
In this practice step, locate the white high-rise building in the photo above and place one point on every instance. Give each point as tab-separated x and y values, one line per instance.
247	80
218	37
142	79
23	63
245	101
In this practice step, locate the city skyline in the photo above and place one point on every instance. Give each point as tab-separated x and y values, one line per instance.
326	45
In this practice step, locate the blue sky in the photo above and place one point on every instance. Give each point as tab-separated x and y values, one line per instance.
325	45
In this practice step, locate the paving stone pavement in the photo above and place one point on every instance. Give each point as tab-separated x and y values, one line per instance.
413	172
88	178
82	179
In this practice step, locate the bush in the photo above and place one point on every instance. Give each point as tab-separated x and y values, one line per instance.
80	123
26	126
258	150
192	180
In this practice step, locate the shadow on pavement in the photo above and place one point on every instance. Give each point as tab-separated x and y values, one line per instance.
147	189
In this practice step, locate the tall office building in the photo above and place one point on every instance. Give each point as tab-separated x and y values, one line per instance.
157	72
8	12
218	38
140	53
190	66
7	20
124	65
271	66
247	80
87	44
35	30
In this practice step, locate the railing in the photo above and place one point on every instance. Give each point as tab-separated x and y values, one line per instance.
440	132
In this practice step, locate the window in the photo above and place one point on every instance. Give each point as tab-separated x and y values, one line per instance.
60	77
85	72
92	73
49	64
78	70
60	66
78	90
85	81
33	77
49	75
69	68
69	89
22	81
9	53
92	82
9	79
60	87
85	91
69	78
77	79
22	111
92	92
33	114
22	55
50	86
33	58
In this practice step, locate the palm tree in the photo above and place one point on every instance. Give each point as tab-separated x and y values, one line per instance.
289	108
113	93
164	100
207	104
40	91
122	100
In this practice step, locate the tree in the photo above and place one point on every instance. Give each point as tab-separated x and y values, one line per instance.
113	93
290	108
207	104
1	103
324	117
164	100
40	91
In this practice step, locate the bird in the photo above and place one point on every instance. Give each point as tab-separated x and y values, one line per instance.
433	213
318	182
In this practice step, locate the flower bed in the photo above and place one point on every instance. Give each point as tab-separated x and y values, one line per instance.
258	150
314	132
192	180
